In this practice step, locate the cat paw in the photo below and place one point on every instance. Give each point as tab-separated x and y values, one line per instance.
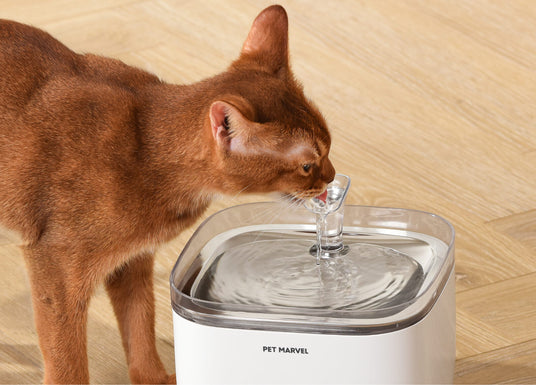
151	378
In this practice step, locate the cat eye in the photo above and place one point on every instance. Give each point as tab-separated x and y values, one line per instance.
306	167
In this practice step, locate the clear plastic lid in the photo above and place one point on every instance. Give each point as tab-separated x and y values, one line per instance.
230	275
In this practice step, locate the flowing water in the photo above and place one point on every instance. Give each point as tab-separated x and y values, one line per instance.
276	269
365	272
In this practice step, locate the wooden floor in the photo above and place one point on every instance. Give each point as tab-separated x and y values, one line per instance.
432	106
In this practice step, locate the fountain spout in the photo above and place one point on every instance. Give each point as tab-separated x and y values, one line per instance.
329	211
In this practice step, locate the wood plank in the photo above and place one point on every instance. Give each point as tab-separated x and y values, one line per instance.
506	308
520	226
435	84
19	363
515	364
483	337
20	357
43	12
484	255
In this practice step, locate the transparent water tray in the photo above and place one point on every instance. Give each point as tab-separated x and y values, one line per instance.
253	266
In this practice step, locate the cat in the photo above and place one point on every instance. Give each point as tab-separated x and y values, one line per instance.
101	162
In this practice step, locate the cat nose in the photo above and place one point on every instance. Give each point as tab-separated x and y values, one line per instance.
327	174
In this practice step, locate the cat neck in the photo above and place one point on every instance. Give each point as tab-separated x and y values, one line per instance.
176	152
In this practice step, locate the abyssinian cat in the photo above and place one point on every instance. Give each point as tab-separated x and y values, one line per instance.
101	162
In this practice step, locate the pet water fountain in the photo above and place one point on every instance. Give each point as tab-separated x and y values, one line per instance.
324	293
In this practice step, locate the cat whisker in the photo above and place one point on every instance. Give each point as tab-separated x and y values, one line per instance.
235	197
294	203
297	198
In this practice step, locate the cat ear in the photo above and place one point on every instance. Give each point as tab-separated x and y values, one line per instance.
229	127
267	41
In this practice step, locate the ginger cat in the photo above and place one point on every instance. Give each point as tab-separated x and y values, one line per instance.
101	162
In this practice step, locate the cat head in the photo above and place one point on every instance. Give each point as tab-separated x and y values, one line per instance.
267	135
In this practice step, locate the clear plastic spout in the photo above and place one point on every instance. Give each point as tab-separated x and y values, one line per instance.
329	210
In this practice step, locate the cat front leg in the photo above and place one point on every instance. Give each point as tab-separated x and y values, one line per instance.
130	289
60	301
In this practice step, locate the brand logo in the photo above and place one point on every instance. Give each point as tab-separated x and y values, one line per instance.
284	349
